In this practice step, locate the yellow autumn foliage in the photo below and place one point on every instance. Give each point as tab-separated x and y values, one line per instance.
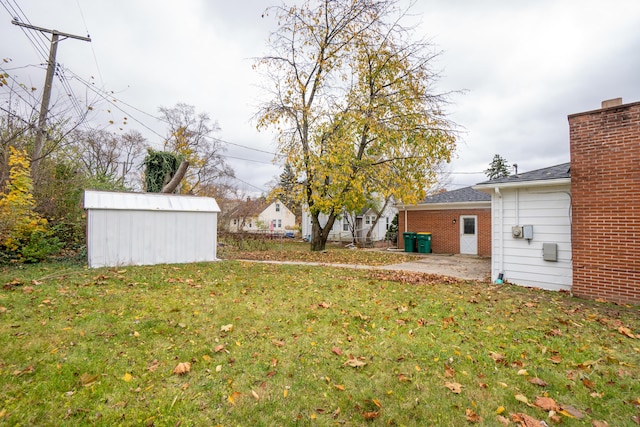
17	204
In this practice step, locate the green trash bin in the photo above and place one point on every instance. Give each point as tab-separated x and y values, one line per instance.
409	241
424	243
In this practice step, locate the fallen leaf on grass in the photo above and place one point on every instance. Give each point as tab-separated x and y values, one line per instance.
153	365
226	328
596	423
324	304
127	377
277	343
87	380
402	378
354	362
537	381
503	420
555	359
571	412
627	332
339	386
255	395
497	357
336	350
218	348
546	403
233	396
371	415
524	420
522	398
448	371
454	387
182	368
472	417
29	369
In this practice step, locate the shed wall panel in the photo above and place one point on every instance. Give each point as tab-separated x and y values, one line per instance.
117	237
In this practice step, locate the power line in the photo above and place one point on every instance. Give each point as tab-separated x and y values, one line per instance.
18	14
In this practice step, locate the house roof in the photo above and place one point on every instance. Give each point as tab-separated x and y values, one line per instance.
561	171
461	195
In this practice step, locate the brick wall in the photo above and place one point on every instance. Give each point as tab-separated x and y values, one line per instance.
605	189
445	235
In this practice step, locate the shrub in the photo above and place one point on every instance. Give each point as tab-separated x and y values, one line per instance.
24	235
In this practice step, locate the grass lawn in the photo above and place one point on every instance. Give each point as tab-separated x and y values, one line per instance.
247	344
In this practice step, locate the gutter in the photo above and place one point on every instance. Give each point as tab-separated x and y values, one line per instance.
536	183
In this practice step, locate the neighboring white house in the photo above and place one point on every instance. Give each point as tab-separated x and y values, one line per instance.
344	227
149	228
256	216
531	227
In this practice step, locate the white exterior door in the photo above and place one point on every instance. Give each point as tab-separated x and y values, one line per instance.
469	234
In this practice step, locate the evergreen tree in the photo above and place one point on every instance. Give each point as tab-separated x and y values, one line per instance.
498	168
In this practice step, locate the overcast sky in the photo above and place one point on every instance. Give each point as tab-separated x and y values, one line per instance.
523	66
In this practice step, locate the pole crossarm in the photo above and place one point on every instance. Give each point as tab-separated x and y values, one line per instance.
46	30
40	136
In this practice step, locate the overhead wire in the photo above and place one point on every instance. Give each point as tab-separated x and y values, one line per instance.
39	43
18	14
93	51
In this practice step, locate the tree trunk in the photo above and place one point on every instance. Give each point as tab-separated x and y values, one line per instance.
173	184
319	234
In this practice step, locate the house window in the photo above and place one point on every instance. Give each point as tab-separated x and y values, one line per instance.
368	219
235	222
387	223
279	223
277	207
345	226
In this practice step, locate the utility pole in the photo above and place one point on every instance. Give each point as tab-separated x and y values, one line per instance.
46	94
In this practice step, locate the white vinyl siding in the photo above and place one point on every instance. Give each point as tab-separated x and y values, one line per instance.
548	210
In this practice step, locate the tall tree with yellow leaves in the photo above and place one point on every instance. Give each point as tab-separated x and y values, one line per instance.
351	97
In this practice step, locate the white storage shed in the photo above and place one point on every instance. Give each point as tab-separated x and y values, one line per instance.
149	228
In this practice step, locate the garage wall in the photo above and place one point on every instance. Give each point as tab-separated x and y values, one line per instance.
445	234
548	210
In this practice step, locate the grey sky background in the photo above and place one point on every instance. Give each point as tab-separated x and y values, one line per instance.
522	68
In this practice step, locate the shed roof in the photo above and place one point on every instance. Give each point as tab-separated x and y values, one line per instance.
148	202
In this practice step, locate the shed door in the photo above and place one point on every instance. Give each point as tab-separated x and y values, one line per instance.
469	234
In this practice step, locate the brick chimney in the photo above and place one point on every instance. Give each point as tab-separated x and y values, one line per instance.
605	191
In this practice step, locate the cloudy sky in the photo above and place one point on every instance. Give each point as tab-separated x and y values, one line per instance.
520	68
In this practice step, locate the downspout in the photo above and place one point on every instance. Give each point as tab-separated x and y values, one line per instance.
405	218
501	234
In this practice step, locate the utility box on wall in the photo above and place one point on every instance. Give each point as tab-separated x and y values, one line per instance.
149	228
550	251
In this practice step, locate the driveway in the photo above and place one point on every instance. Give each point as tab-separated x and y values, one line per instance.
467	267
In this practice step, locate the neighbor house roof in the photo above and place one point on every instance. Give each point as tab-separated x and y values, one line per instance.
557	172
